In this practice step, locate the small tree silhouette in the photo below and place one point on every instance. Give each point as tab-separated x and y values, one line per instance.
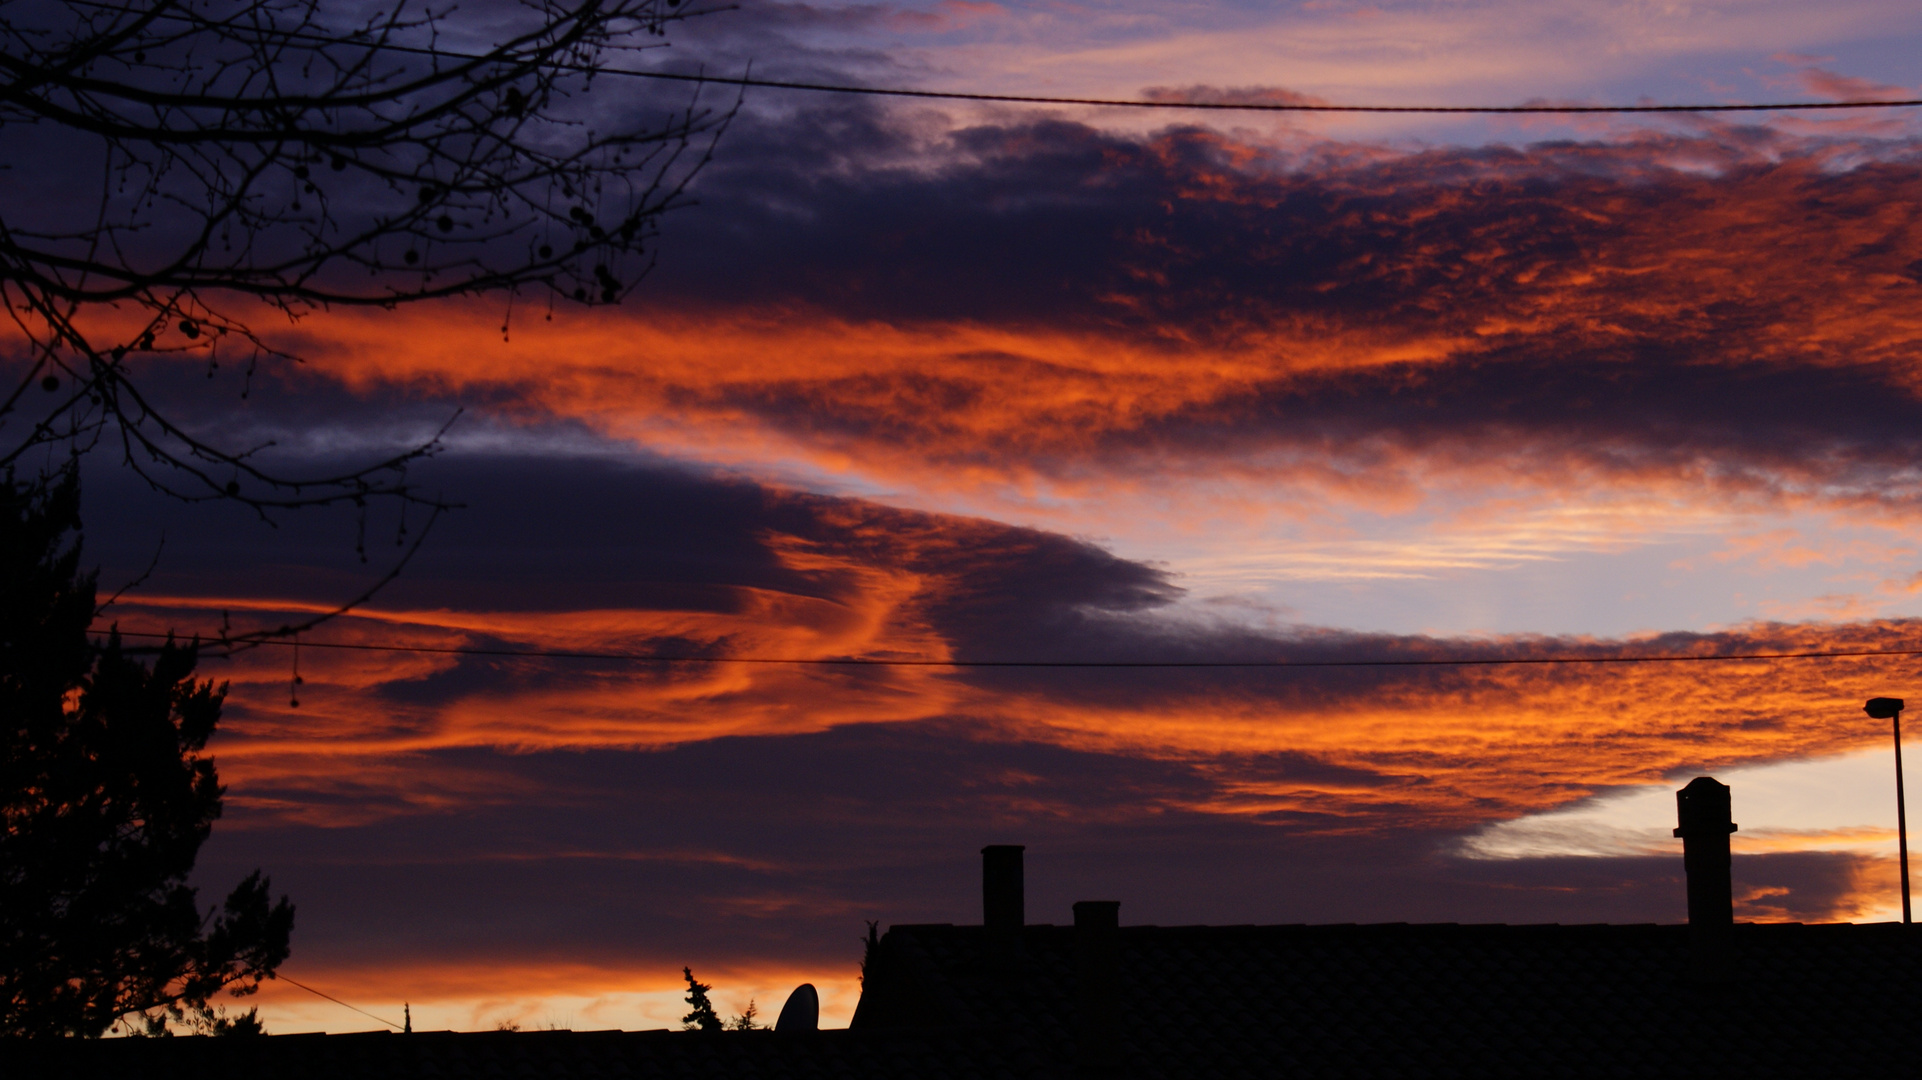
745	1021
869	945
701	1017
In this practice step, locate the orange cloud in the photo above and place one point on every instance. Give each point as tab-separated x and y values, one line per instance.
1451	746
1712	320
1681	316
1679	320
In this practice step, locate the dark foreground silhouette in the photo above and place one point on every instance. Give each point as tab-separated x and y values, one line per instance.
1097	999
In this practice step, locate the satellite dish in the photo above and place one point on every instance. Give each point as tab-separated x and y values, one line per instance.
802	1011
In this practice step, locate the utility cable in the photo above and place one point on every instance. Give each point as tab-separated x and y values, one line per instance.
857	661
339	1002
745	81
1255	106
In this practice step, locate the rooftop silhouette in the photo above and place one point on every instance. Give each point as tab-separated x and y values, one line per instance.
1098	999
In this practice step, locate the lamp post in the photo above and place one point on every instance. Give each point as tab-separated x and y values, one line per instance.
1890	708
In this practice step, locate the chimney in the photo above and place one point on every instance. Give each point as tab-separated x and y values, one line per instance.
1001	906
1704	812
1097	954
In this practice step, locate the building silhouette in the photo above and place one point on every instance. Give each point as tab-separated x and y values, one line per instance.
1711	998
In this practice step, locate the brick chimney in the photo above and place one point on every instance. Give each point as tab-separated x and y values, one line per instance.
1704	811
1097	956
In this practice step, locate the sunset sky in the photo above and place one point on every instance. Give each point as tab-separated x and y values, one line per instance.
947	381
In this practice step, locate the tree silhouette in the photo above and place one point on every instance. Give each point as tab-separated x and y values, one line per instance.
171	171
106	799
701	1015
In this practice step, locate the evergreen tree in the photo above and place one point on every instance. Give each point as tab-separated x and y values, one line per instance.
701	1017
106	798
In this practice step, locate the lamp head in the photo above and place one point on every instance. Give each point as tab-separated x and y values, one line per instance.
1883	708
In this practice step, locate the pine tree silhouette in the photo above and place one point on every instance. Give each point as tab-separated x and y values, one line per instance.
701	1017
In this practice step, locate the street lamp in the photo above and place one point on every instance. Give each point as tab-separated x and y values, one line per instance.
1890	708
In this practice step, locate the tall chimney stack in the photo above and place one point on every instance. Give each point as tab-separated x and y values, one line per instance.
1001	903
1097	955
1002	912
1703	808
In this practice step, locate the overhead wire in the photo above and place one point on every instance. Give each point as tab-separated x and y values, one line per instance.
1253	106
749	81
905	662
282	977
746	81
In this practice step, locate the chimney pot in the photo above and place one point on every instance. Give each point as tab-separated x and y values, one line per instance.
1704	811
1703	808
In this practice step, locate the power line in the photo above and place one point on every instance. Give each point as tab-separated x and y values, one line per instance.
1256	106
856	661
746	81
339	1002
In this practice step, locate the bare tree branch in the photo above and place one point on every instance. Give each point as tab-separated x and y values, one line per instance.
169	166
